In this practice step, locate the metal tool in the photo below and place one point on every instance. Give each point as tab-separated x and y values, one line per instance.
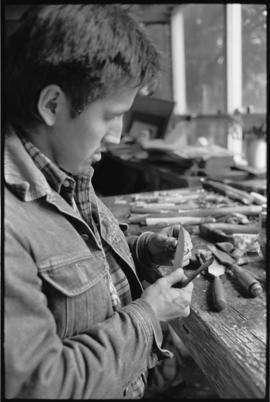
201	268
180	250
214	235
214	212
245	278
229	228
216	270
229	191
183	220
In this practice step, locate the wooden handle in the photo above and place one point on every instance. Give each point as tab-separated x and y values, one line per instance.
231	228
218	294
247	280
215	235
229	191
200	212
183	220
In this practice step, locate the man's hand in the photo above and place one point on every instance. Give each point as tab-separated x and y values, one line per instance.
168	302
161	246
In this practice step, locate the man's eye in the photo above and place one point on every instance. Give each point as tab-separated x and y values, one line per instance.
114	117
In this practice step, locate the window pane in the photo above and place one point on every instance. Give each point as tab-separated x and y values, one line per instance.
205	58
254	56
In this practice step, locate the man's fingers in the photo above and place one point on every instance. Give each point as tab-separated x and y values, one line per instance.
171	243
175	230
168	242
176	276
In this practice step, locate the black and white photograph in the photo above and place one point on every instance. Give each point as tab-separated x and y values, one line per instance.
134	253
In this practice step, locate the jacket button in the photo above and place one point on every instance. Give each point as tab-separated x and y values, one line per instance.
85	236
66	183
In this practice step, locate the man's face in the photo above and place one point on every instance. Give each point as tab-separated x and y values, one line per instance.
76	142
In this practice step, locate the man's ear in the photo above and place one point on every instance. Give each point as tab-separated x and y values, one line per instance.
49	103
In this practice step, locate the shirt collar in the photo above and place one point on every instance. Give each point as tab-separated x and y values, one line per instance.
55	176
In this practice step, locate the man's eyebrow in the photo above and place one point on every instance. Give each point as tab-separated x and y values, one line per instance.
117	112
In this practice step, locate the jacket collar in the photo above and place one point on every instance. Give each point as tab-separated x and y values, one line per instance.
20	172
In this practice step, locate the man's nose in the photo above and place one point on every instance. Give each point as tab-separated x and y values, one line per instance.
114	134
112	138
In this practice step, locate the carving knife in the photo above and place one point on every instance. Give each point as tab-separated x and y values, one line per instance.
179	257
180	250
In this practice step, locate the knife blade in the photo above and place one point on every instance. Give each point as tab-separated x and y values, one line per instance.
180	250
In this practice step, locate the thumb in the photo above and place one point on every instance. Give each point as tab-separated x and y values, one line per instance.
176	276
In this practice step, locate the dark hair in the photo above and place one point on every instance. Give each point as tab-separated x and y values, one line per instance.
88	50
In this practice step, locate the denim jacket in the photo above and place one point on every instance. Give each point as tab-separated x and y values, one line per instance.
62	338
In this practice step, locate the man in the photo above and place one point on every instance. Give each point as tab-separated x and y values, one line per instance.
78	323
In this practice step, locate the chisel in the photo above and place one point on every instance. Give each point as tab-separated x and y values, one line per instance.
202	267
216	270
229	191
228	228
212	211
245	278
183	220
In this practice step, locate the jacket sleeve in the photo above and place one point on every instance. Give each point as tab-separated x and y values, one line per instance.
96	364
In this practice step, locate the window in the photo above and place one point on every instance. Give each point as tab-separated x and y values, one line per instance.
254	56
204	58
221	61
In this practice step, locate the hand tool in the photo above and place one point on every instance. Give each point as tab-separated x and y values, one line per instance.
216	270
226	246
166	206
249	259
212	211
236	218
230	228
183	220
180	250
212	234
153	206
245	278
258	198
157	195
202	267
229	191
138	218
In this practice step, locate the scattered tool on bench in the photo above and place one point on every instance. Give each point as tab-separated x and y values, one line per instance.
201	268
229	191
217	271
179	257
249	210
226	229
244	278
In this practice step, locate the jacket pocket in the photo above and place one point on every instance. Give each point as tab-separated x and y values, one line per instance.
77	292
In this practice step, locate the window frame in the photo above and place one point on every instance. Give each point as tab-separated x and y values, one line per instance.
233	54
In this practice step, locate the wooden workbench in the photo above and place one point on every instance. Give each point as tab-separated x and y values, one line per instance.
229	346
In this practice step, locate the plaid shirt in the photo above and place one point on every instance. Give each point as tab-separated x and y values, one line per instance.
78	192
